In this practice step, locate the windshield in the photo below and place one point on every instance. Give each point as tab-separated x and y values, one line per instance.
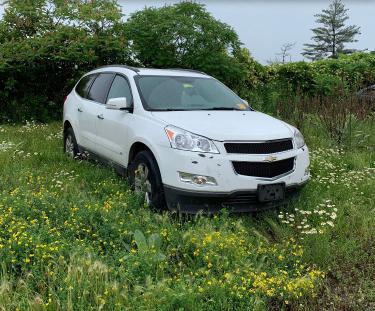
169	93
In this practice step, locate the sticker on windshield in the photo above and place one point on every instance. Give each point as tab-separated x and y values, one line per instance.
242	106
187	85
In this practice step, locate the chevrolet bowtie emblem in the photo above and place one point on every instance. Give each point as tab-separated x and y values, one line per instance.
270	158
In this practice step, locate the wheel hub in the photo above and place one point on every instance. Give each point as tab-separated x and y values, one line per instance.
69	146
142	182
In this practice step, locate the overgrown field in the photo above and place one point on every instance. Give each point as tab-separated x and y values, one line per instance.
73	237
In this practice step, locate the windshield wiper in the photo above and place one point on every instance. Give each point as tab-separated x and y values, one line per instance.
222	108
169	109
206	109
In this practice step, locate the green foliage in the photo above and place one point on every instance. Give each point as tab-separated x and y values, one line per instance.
255	74
94	17
185	35
43	57
34	18
330	38
354	71
78	238
24	19
47	45
74	237
326	84
149	247
298	75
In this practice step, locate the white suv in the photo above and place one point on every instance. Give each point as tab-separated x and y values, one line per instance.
184	139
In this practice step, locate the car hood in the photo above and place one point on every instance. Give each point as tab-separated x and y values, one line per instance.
227	125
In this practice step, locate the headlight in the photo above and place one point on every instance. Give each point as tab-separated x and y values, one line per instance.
184	140
298	138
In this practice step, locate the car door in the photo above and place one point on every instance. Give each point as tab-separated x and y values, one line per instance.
86	113
92	111
112	129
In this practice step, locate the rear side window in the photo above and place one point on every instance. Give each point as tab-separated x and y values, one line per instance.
83	85
120	88
99	88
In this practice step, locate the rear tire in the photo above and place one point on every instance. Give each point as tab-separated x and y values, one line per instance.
145	178
70	144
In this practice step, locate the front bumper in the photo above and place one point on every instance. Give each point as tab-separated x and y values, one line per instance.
238	192
191	202
220	167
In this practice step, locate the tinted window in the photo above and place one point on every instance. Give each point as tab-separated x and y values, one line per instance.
99	88
120	88
82	87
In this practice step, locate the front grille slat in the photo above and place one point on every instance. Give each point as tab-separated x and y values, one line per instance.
264	169
241	199
260	147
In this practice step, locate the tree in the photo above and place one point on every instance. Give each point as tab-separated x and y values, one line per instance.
26	18
330	38
284	52
185	35
32	18
92	16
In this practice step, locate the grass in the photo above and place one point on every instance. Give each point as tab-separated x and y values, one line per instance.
73	237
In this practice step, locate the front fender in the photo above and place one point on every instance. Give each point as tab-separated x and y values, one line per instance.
152	145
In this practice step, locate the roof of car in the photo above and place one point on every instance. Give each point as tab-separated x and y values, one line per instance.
153	71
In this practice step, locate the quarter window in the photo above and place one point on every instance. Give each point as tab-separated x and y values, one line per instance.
83	85
99	88
120	88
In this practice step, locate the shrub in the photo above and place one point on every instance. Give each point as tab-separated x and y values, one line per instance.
43	54
356	71
39	72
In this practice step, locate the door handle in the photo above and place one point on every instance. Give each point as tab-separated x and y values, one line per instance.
79	109
100	116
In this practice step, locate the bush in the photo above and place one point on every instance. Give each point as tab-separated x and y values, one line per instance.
355	71
327	87
43	54
39	72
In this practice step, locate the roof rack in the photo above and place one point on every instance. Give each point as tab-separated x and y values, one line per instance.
190	70
122	66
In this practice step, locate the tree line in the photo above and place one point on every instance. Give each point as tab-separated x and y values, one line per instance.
46	45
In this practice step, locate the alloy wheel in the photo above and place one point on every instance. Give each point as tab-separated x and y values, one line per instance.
69	146
142	182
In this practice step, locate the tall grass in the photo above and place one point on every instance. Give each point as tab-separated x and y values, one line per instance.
73	237
336	107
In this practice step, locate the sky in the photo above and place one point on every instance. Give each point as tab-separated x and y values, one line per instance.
264	26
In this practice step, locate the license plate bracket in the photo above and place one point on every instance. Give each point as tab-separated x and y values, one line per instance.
271	192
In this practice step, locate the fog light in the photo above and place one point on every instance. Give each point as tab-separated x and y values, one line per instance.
199	180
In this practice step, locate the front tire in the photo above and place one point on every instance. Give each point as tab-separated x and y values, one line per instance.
70	144
145	179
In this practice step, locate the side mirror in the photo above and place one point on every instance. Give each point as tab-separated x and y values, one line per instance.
118	103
